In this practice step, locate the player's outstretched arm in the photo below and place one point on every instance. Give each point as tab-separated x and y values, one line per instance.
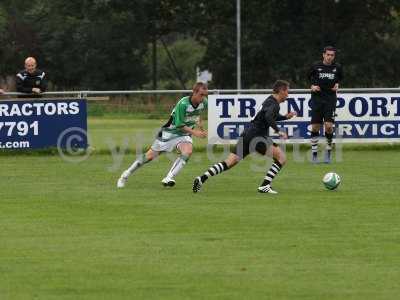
290	115
195	132
283	135
315	88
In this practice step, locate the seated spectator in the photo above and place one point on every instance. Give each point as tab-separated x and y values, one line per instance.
31	80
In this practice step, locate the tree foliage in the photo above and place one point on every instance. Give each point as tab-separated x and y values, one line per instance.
95	44
104	44
186	54
281	38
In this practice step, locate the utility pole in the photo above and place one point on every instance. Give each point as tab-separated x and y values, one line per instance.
238	52
154	42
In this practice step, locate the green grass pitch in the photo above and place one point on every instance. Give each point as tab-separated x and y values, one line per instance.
66	232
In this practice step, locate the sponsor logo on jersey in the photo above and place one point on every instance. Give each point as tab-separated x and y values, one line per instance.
326	75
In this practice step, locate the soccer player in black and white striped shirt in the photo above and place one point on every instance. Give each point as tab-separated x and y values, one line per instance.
255	139
324	77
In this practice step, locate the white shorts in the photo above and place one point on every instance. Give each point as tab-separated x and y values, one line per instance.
169	146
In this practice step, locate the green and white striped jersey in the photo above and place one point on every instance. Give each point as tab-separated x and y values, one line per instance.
183	114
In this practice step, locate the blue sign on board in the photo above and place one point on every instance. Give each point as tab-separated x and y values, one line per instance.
361	117
35	124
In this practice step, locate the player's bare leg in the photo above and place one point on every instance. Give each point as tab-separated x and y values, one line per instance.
186	150
140	161
216	169
279	161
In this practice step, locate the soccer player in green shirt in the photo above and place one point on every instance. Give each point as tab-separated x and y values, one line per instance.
176	134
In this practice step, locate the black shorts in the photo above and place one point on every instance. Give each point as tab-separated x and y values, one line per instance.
251	141
323	108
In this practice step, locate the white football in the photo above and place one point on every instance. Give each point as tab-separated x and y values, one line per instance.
331	180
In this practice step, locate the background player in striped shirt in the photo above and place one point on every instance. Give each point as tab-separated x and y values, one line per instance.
324	76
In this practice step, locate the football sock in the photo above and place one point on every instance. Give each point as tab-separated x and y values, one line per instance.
140	161
314	142
272	172
329	137
214	170
178	164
